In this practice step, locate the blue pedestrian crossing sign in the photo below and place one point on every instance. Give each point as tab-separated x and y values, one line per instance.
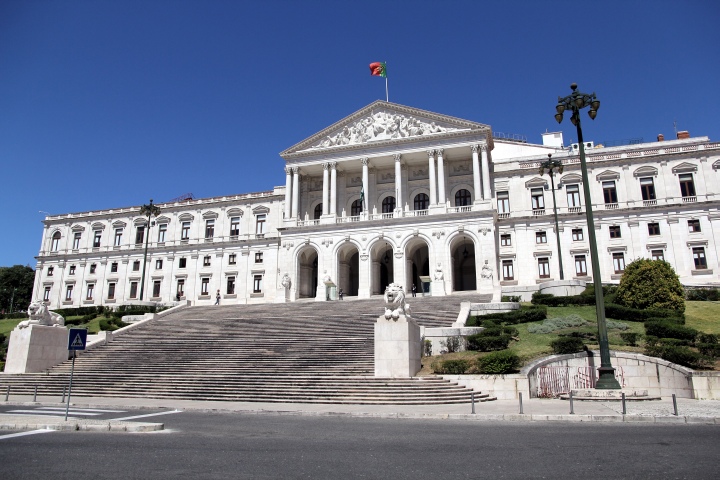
77	338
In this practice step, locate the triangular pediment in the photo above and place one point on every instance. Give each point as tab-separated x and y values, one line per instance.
383	122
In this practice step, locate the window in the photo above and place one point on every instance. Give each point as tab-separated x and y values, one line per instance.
111	291
136	266
540	237
180	288
209	228
462	198
46	294
580	266
257	283
317	213
687	185
260	224
609	192
388	205
72	270
647	188
205	286
577	234
658	255
68	293
421	202
258	257
185	231
96	238
133	289
206	261
694	226
356	208
232	259
699	258
156	289
55	244
93	267
118	237
113	267
537	198
50	271
543	268
506	240
234	226
158	264
573	195
90	291
139	235
503	202
76	240
653	229
507	270
162	232
615	231
182	263
619	262
230	290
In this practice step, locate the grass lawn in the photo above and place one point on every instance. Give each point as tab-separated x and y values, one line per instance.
703	316
7	325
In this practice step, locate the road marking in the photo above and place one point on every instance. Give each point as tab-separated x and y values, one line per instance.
62	409
22	434
42	412
145	416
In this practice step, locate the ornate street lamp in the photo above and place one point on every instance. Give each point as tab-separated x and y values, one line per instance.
550	166
574	103
148	210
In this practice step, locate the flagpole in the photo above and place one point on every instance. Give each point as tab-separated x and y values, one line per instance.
387	98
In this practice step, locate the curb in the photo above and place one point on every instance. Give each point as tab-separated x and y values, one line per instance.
86	427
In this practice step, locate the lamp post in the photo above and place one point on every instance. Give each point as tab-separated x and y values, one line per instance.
148	210
550	166
574	103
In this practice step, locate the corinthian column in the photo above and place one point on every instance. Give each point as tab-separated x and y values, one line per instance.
485	173
433	182
333	187
477	195
288	192
398	181
325	166
442	200
295	191
365	181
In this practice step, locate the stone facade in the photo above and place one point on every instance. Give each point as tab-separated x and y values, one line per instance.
397	194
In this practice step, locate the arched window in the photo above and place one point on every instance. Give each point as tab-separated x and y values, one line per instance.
318	211
388	204
421	201
55	244
356	208
462	198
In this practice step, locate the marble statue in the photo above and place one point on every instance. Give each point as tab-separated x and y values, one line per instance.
395	298
438	272
326	278
286	282
486	272
39	314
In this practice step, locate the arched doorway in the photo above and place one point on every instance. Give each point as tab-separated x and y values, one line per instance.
463	263
348	268
383	271
317	213
417	256
307	275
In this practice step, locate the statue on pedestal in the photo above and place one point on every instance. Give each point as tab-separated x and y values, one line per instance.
39	314
395	297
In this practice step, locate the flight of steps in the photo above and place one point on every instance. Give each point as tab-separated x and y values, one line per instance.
309	352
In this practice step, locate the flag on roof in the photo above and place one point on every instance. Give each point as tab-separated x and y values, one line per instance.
378	69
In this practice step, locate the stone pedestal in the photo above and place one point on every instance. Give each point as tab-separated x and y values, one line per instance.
36	348
437	288
397	347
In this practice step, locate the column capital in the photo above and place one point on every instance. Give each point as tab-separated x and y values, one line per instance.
484	147
397	157
475	148
365	161
440	151
431	153
288	170
296	170
332	165
326	165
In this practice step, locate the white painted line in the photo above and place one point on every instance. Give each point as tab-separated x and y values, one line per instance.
144	416
62	409
41	412
22	434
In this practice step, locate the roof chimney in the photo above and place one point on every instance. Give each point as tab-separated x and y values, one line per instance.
661	137
683	134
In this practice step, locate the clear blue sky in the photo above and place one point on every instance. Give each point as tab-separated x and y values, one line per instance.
108	103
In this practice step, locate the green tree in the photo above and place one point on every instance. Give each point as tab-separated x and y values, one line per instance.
16	286
650	284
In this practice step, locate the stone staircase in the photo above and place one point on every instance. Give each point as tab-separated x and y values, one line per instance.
308	352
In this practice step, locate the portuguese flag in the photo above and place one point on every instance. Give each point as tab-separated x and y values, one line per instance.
378	69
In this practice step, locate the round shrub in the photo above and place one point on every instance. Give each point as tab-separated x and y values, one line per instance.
486	343
650	284
451	367
563	345
498	363
630	338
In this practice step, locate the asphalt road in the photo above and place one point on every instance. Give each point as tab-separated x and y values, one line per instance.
238	446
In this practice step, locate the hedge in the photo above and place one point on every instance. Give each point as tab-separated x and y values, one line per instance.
451	367
524	315
670	330
618	312
563	345
553	301
680	355
703	294
498	363
487	343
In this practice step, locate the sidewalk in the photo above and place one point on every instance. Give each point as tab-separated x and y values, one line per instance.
689	411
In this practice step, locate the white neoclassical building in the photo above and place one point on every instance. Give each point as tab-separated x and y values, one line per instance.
397	194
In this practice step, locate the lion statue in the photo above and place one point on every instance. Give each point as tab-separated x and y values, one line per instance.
395	297
39	314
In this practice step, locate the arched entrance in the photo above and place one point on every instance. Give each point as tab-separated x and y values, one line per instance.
417	256
307	273
348	268
463	263
383	271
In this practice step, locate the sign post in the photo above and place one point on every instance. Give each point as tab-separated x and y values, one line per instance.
77	338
